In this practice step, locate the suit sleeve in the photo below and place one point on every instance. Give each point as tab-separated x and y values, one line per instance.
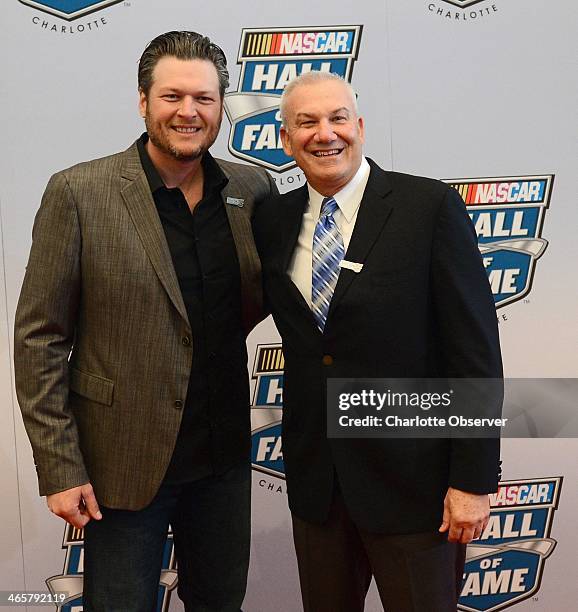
465	319
44	333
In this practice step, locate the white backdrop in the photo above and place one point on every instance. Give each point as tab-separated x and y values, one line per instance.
489	95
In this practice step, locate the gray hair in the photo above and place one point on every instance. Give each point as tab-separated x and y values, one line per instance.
311	78
183	45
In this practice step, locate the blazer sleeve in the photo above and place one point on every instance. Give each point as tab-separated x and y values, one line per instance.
465	320
260	208
263	222
273	191
44	333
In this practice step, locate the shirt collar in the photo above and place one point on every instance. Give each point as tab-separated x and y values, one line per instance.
348	198
214	176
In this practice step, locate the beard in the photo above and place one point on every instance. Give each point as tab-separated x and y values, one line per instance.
160	136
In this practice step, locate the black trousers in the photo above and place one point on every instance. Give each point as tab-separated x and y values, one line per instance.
414	573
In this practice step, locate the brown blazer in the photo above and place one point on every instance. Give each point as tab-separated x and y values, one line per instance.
99	356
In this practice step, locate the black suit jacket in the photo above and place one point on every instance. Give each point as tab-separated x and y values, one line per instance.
420	307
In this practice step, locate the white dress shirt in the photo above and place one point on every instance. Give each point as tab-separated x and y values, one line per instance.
348	200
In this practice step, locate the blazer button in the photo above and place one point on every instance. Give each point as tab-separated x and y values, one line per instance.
327	360
178	404
186	341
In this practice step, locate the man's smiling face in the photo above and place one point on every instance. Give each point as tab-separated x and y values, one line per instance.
324	134
183	108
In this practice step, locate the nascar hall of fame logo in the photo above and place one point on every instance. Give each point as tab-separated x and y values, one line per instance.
270	58
506	564
266	410
508	214
69	9
71	580
464	10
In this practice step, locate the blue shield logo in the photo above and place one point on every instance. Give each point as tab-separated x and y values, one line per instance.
269	59
266	410
508	214
505	565
69	9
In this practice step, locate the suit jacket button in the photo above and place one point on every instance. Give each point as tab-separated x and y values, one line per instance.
186	341
327	360
178	404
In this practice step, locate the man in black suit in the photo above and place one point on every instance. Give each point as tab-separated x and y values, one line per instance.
409	300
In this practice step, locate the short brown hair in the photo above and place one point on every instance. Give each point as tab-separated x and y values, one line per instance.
182	45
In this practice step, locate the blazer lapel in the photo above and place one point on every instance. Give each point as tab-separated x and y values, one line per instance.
372	216
139	201
240	224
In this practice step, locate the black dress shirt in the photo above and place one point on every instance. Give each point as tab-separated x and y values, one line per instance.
207	268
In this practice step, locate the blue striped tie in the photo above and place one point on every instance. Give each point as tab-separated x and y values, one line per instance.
328	252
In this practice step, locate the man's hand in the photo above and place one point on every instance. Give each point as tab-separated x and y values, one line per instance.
465	515
76	506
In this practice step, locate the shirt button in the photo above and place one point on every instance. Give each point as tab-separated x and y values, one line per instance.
186	341
327	360
178	404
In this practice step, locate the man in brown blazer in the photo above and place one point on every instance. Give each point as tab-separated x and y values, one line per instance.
142	283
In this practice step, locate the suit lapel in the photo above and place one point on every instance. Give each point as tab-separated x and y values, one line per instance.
372	216
291	218
294	205
138	199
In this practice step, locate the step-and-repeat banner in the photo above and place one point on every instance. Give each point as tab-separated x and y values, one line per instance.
479	93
